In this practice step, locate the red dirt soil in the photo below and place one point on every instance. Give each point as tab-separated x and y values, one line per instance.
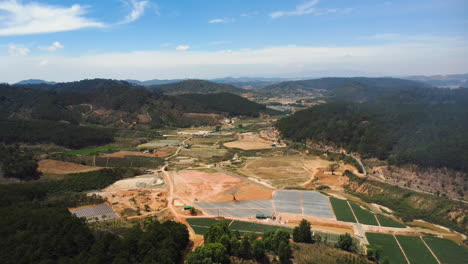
61	167
198	186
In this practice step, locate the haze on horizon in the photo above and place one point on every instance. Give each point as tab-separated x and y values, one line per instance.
162	39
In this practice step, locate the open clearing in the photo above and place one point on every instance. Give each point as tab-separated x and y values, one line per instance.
284	171
250	141
202	186
61	167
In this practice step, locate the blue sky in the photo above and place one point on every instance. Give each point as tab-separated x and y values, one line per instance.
146	39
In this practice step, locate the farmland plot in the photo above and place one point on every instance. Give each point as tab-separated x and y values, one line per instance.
363	216
389	247
342	210
415	250
447	251
386	221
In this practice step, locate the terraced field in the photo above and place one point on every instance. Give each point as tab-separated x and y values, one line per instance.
415	250
389	247
447	251
342	210
364	216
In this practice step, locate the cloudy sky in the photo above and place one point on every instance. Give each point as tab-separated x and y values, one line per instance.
63	40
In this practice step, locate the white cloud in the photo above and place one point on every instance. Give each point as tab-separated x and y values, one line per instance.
43	63
220	20
304	9
15	50
438	56
183	47
53	47
34	18
137	10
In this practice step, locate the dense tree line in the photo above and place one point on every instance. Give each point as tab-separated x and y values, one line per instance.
428	128
16	162
196	86
221	244
36	226
42	131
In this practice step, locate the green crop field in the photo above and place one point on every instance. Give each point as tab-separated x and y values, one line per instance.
200	230
328	238
254	227
342	211
386	221
129	161
364	216
447	251
96	150
207	222
389	247
415	250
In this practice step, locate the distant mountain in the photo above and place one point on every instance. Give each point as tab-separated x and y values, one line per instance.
337	86
196	86
154	82
250	82
33	81
450	81
83	85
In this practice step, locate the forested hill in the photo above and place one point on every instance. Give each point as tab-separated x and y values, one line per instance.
336	86
428	127
196	86
109	102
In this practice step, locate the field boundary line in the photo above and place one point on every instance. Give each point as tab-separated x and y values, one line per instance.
401	248
232	221
430	250
352	211
377	219
301	201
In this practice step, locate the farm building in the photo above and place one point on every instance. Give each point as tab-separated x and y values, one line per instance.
94	213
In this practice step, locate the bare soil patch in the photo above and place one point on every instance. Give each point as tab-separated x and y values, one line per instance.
61	167
250	141
123	153
284	171
200	186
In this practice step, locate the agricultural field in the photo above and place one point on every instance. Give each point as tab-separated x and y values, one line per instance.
389	247
129	161
250	141
96	150
447	251
415	250
201	226
61	167
364	216
389	222
342	210
283	171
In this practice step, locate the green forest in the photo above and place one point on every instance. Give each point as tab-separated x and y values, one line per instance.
36	226
427	127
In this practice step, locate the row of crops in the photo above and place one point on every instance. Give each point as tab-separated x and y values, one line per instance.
344	212
201	226
446	251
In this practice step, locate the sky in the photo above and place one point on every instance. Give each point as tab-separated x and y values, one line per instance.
65	40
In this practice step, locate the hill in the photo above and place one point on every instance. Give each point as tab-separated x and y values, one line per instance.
450	81
335	86
423	126
153	82
34	81
195	86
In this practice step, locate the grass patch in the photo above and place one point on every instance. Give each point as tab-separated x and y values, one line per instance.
201	226
389	247
342	210
364	216
447	251
386	221
96	150
130	162
415	250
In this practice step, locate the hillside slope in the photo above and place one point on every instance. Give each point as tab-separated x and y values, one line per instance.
195	86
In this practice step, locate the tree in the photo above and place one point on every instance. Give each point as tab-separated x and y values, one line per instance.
258	248
333	167
345	242
233	191
284	252
302	233
210	253
16	162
